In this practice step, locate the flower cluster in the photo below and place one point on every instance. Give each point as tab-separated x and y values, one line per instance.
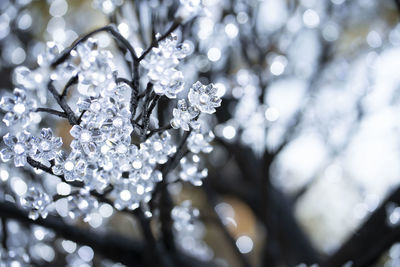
95	69
81	205
185	117
190	170
113	153
200	142
161	64
93	136
10	258
36	202
190	231
189	8
36	79
202	99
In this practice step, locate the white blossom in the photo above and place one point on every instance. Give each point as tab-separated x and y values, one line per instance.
18	108
13	258
189	231
189	9
184	117
199	142
159	147
204	97
107	6
190	170
36	201
81	205
46	145
19	147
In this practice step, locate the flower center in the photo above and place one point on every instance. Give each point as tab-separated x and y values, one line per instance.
85	136
137	164
69	166
125	195
19	108
157	146
44	146
204	98
19	149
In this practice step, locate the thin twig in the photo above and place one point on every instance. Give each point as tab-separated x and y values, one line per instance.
161	129
53	112
146	102
155	42
135	91
40	166
81	116
123	80
149	87
110	29
63	104
146	118
4	232
70	82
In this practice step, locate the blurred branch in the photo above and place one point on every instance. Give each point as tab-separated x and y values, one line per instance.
397	3
115	247
213	202
292	128
165	202
152	252
371	240
286	242
335	152
4	233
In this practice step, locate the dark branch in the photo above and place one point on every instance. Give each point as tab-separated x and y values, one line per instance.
135	91
161	129
123	80
70	82
153	251
108	29
166	202
53	112
40	166
4	232
63	104
81	116
146	118
155	42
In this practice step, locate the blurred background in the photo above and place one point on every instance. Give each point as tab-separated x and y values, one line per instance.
308	137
